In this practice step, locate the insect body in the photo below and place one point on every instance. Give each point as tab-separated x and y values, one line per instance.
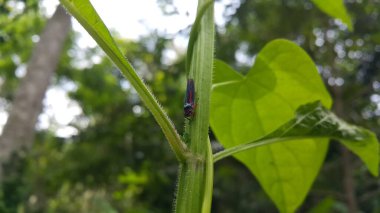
189	107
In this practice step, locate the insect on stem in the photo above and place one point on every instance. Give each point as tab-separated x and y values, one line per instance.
189	107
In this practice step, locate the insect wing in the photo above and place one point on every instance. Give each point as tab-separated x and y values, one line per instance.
190	92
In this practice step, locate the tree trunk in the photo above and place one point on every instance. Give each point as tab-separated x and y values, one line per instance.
18	133
348	168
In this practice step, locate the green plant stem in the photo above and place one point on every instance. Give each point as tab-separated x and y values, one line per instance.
195	184
194	34
261	142
89	20
209	180
196	174
190	187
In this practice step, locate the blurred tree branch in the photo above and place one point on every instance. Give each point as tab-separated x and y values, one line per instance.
348	177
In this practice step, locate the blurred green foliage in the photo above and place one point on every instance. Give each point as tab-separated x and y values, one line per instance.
119	160
17	27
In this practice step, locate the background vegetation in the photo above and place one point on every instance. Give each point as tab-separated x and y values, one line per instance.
118	162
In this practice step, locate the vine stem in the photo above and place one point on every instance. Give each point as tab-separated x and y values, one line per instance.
86	15
195	181
257	143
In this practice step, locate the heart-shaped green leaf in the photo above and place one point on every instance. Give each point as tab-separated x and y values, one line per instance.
246	108
335	9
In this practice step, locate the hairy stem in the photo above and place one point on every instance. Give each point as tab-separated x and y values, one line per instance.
196	174
86	15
